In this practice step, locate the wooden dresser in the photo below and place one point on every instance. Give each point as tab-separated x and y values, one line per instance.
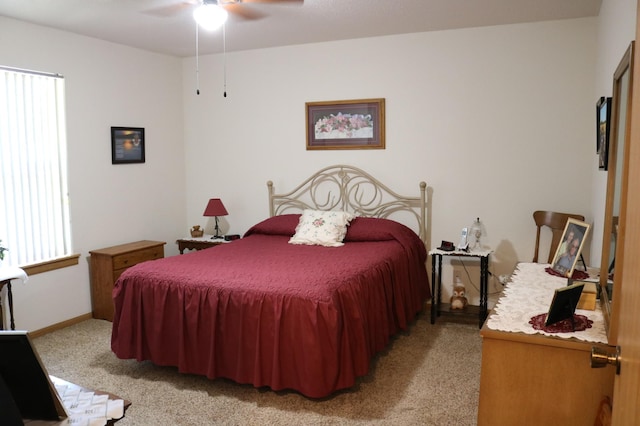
109	263
533	378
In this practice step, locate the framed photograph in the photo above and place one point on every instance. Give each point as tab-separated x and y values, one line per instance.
570	247
564	303
357	124
603	116
127	145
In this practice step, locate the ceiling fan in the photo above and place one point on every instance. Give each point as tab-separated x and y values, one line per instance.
213	13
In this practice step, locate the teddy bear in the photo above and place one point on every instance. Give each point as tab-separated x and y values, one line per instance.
458	298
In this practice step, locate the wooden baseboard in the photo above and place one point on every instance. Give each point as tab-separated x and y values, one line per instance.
60	325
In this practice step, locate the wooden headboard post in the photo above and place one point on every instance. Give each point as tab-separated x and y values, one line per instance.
351	189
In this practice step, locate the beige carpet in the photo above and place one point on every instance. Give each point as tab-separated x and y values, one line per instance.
427	376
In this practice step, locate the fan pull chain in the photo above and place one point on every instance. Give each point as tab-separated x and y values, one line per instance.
224	57
197	65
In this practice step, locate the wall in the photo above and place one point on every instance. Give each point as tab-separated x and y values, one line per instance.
616	29
498	121
488	117
106	85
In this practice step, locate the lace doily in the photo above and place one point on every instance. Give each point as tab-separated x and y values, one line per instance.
471	253
580	323
13	273
528	294
577	275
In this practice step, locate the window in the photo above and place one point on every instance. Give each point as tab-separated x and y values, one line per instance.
34	205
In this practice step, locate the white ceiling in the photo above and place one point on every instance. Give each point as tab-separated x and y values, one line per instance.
142	23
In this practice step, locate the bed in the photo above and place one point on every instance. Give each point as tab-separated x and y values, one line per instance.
264	311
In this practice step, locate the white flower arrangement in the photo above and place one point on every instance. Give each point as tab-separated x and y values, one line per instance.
344	126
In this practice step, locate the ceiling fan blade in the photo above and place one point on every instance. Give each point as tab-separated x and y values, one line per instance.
244	12
240	9
272	1
171	10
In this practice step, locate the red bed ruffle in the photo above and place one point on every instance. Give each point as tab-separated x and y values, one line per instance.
265	312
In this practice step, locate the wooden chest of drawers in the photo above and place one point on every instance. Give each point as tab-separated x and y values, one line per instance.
109	263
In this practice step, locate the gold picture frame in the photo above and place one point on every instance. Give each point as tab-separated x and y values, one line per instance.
570	248
352	124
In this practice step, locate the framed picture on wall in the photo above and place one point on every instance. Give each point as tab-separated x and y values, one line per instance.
603	120
127	145
357	124
568	252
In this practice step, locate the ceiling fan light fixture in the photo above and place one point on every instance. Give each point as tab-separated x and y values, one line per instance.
210	16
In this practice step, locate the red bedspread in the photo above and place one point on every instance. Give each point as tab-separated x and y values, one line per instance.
265	312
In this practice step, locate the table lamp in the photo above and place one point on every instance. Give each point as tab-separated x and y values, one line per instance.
477	231
215	208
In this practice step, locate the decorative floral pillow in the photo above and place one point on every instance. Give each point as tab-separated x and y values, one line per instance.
324	228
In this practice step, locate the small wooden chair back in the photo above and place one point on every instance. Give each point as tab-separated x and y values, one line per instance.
556	222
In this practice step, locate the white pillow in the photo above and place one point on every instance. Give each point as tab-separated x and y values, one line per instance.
324	228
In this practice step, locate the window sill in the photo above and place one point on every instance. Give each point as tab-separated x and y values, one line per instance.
51	265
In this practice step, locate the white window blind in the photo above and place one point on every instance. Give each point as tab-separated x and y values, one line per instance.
34	215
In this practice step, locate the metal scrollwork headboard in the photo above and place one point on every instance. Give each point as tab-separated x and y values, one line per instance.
351	189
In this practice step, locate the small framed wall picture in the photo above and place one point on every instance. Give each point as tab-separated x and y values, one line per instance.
603	119
127	145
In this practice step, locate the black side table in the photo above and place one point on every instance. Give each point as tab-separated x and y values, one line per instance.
7	274
436	284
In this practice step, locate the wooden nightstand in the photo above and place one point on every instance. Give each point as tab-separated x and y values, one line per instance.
197	243
109	263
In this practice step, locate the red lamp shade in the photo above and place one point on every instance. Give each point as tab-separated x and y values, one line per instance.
215	208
